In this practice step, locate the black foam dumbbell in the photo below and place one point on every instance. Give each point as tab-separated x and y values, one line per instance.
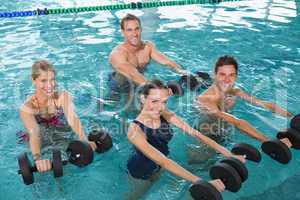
191	81
295	123
292	133
102	140
230	171
279	151
205	79
79	154
293	136
227	174
203	190
248	150
250	153
176	88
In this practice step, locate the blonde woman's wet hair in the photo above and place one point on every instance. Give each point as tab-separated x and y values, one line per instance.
39	66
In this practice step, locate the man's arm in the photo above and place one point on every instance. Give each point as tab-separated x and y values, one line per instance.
173	119
241	124
121	65
266	104
163	59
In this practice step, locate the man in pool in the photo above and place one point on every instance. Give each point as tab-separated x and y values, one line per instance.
219	98
129	59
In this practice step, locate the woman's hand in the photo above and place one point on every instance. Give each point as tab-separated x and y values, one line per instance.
287	142
93	145
241	158
218	184
43	165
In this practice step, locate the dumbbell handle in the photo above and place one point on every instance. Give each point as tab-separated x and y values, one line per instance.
34	169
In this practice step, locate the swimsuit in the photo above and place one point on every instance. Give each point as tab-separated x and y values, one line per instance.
141	167
58	120
119	83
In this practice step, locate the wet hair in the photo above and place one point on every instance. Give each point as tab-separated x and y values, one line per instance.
41	65
154	84
226	60
129	17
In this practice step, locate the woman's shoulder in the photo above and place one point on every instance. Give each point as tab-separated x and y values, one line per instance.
63	96
29	106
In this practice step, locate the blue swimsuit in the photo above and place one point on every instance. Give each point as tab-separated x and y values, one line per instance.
138	165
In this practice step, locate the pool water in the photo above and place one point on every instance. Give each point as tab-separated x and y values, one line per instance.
262	34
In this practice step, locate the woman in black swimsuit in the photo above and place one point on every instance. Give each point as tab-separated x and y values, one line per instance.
150	133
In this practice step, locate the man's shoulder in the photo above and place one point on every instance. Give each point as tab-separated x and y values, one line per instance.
118	51
236	91
149	43
208	96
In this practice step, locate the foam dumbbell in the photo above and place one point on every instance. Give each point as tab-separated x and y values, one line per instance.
79	154
203	190
102	140
279	151
191	81
250	153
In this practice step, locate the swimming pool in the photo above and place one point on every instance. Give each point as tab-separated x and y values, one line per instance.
263	35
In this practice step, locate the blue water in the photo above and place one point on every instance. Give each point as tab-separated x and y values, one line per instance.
262	34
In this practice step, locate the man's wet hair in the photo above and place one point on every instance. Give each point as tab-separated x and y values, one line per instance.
226	60
153	84
129	17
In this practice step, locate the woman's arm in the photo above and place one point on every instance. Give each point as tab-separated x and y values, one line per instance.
29	121
138	139
66	101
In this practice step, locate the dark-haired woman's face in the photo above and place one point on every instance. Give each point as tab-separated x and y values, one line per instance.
45	83
155	103
225	77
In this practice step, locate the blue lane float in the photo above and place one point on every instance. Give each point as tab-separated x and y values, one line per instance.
132	5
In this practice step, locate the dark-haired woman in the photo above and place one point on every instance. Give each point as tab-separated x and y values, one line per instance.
150	134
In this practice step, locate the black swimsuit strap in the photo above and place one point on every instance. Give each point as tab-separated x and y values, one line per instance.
38	105
143	127
140	124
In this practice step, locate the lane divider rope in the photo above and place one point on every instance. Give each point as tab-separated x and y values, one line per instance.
137	5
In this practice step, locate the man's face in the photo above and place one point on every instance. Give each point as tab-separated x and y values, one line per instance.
132	32
225	77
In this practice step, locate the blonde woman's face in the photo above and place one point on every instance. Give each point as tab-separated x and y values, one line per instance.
45	83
